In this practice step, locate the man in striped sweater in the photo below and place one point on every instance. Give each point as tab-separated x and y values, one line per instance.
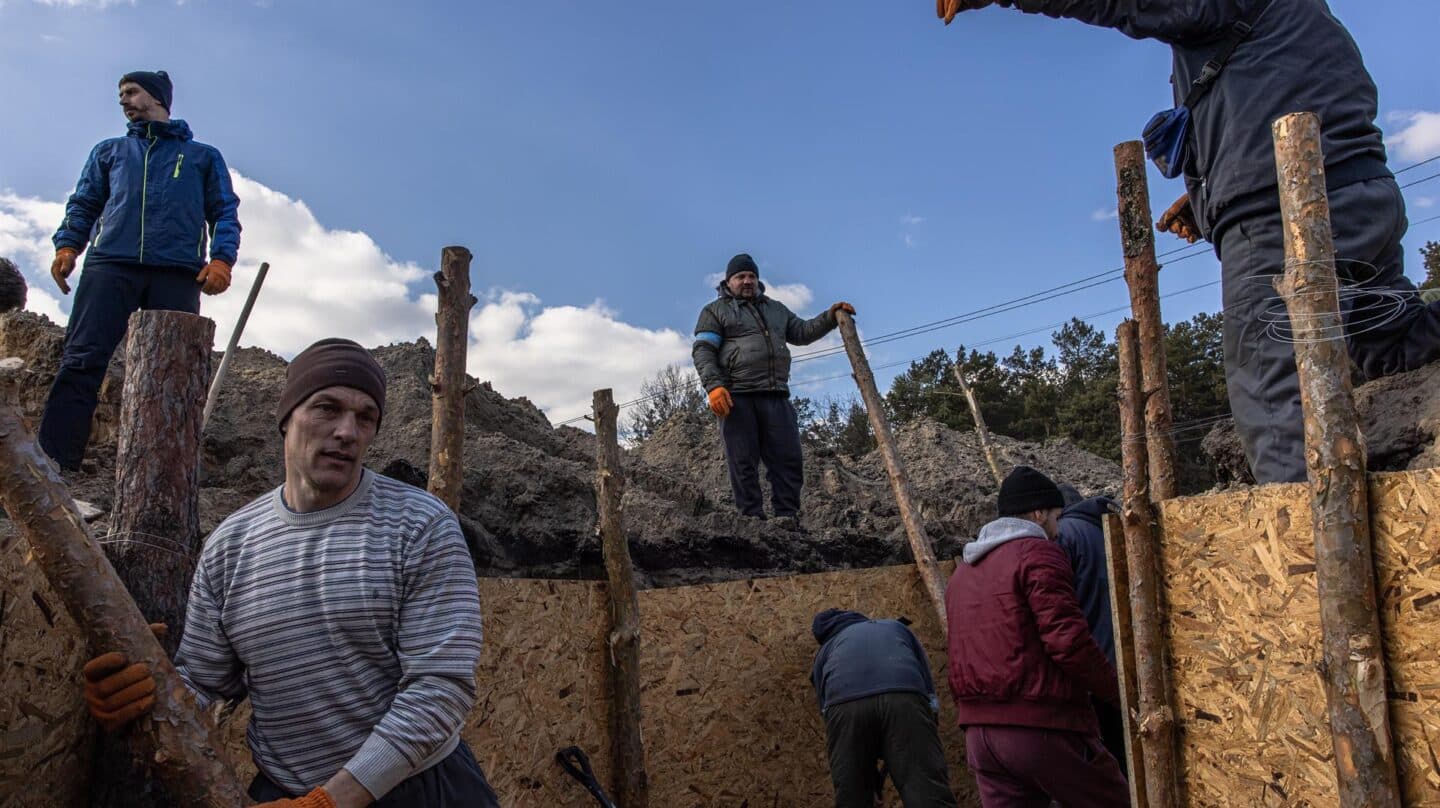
344	604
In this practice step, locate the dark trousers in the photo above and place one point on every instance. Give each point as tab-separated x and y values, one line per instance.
1112	731
455	782
1385	334
1025	767
897	728
107	295
760	428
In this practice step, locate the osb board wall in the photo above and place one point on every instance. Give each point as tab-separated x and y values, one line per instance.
1244	631
45	733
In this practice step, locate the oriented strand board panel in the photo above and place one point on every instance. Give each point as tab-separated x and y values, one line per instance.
1244	630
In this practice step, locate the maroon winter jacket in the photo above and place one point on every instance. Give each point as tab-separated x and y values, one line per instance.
1021	653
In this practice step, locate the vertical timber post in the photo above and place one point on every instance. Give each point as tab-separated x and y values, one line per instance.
176	738
447	381
1156	720
1354	662
628	781
920	545
980	430
1142	275
1125	656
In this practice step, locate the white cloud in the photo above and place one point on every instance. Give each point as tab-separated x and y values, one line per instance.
909	222
1419	135
1423	201
1104	214
796	296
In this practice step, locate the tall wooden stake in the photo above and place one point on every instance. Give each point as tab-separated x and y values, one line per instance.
980	430
1142	274
920	545
447	382
628	781
1156	720
1354	669
175	738
1125	656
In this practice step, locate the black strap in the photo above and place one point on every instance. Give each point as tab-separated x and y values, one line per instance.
573	760
1239	32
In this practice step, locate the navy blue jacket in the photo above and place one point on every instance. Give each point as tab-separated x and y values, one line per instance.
861	657
153	197
1083	538
1297	58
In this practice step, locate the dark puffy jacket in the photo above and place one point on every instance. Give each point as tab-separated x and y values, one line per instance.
860	657
741	344
1020	651
154	197
1297	58
1082	534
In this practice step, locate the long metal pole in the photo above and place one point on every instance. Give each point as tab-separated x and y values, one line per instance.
214	394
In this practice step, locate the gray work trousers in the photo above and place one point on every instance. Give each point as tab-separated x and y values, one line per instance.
1368	219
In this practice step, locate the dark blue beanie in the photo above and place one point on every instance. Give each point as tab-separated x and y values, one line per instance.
741	263
157	84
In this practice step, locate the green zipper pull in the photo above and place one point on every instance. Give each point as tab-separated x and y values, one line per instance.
178	160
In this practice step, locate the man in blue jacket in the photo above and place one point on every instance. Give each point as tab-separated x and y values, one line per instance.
873	681
149	205
1290	56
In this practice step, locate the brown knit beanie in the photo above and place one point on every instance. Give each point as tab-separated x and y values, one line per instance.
331	362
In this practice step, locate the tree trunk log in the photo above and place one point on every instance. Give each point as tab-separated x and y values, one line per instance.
920	545
1354	666
1142	275
628	781
176	738
980	430
1125	655
447	382
1156	719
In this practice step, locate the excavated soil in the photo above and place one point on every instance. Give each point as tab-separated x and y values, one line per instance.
528	508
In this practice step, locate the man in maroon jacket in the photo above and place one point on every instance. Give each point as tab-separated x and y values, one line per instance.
1023	663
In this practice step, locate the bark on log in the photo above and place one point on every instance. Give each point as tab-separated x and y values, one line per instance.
1142	275
920	545
980	430
1354	664
1155	719
176	738
628	780
447	382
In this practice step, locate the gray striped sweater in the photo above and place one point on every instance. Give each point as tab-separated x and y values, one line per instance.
354	630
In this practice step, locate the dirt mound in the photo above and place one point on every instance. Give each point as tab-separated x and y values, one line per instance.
528	506
1399	415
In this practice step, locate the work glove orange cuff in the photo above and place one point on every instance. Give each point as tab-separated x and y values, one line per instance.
66	252
720	402
319	798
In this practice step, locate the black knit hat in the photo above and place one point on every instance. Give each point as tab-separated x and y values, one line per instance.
331	363
741	263
1027	490
157	84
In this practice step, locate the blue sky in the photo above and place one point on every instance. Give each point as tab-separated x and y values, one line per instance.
602	159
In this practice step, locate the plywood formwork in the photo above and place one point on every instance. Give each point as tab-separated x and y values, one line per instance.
1244	632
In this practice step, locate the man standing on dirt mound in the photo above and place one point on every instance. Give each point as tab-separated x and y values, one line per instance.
148	204
1238	66
741	355
344	604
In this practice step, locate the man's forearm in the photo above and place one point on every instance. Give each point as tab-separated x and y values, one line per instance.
347	792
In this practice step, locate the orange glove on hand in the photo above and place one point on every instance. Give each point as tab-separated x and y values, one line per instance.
215	277
1180	220
947	9
720	402
116	691
62	266
842	306
319	798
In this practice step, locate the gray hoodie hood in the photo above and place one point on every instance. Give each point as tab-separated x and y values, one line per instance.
1002	530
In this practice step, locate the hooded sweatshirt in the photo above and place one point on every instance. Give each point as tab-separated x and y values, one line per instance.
860	657
1020	651
1083	539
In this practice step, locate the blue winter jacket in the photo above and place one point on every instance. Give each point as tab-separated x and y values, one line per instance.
154	197
1083	537
860	657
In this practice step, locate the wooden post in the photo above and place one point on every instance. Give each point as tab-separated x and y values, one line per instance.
1354	664
447	382
214	395
980	430
1155	719
1125	656
1142	275
176	738
628	780
920	545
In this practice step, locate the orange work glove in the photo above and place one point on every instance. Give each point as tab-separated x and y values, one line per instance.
319	798
215	277
842	306
1180	220
720	402
116	691
62	266
947	9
